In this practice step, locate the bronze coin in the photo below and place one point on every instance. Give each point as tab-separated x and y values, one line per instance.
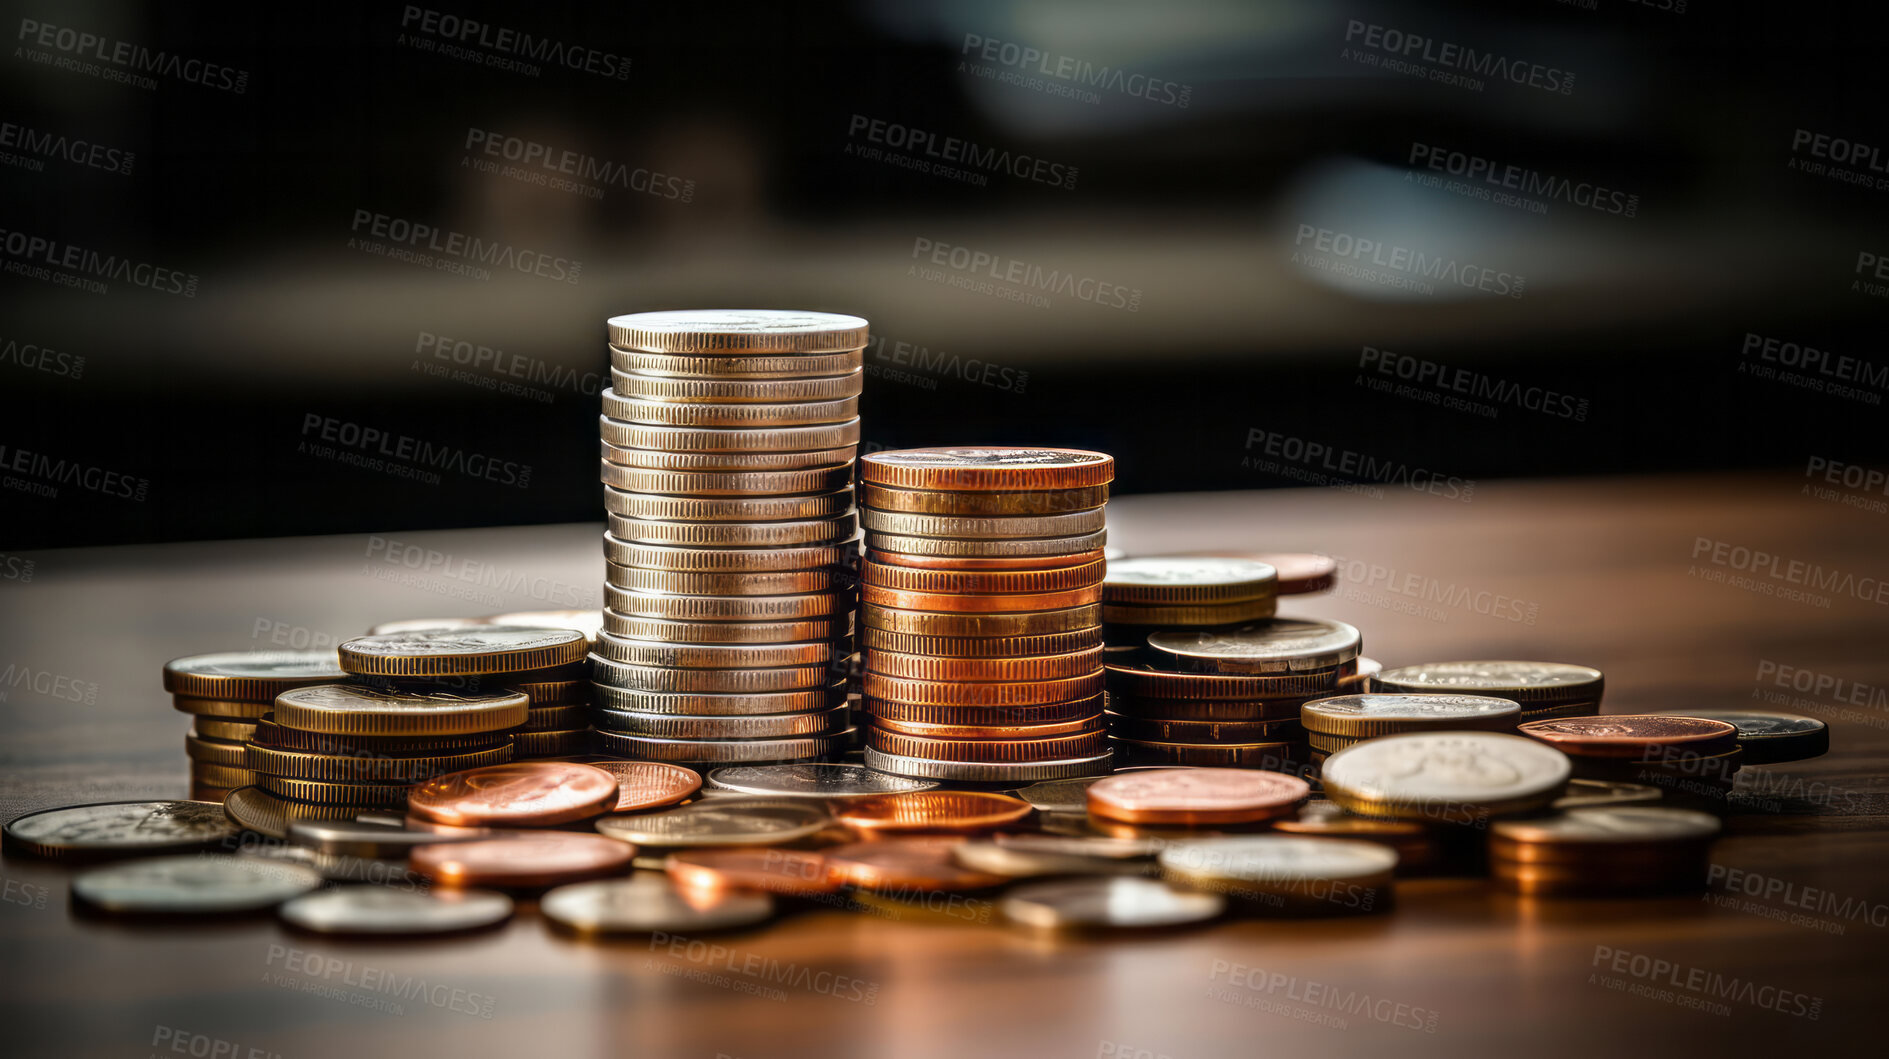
917	863
1196	796
520	794
961	812
1619	735
649	784
992	563
781	871
546	858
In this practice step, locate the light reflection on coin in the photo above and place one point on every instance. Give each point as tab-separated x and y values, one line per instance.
1445	777
380	910
720	822
1108	903
356	839
120	829
198	885
1016	862
649	901
1275	645
814	781
1524	682
645	785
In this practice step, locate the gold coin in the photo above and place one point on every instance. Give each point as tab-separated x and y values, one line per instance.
727	608
747	366
223	729
719	705
729	560
1188	616
743	331
745	415
212	752
376	795
736	389
993	548
709	656
384	769
636	531
255	809
1033	667
932	502
746	726
729	439
965	582
728	632
1028	623
991	467
965	647
249	676
970	527
962	693
554	692
463	652
660	460
776	583
729	751
729	681
727	509
218	708
227	776
727	483
347	709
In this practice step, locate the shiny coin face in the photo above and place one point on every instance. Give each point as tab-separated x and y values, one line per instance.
643	785
1368	715
650	901
1621	735
523	859
732	330
519	794
1180	579
814	781
1196	796
200	885
1420	774
120	829
355	709
1272	645
463	652
1277	859
249	675
1108	903
728	821
1530	680
1768	737
381	910
1620	823
954	811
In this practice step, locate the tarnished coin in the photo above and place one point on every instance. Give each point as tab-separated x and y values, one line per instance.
584	621
194	885
1445	777
1620	735
249	676
793	873
814	780
1005	468
382	910
1286	874
119	829
463	652
649	902
726	821
1360	716
1163	580
1278	645
738	331
1017	862
962	812
358	710
1196	796
1533	684
523	859
520	794
1765	736
1108	904
910	863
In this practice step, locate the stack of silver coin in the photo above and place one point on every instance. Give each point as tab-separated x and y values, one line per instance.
728	446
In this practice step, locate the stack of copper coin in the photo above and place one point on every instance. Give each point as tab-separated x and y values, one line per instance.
1228	697
1345	720
332	751
226	694
1691	760
728	444
1603	851
981	612
1150	593
1544	690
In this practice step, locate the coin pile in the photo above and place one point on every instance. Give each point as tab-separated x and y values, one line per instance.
1543	689
1227	696
1626	849
981	595
543	663
1346	720
226	694
1142	595
1693	760
728	444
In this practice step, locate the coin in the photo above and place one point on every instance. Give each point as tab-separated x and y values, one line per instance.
1189	615
976	528
1011	862
269	733
1416	849
381	910
1445	777
1288	874
1205	710
733	441
727	509
1540	683
223	729
901	714
1111	903
740	366
462	652
249	676
744	727
779	871
1159	730
829	628
761	680
1186	581
795	607
1612	828
813	781
254	809
1280	645
947	811
965	693
1360	681
719	705
970	564
1300	573
1278	755
358	710
964	647
723	751
213	752
521	794
983	503
1010	750
649	902
893	664
1765	736
405	768
738	331
986	772
1582	793
647	387
360	795
119	829
1011	469
535	859
628	535
1619	735
1060	796
1369	715
725	483
727	414
893	548
1146	680
193	885
1196	796
219	708
353	838
555	743
695	462
991	582
1029	623
915	863
1086	845
729	821
643	785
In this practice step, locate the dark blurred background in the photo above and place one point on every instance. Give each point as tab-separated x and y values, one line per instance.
1609	228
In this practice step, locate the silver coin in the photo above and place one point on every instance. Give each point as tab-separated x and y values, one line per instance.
1114	903
1276	645
1060	796
1344	714
1524	682
121	829
996	858
1445	775
649	901
381	910
194	885
1603	824
357	838
814	781
1278	860
720	822
980	772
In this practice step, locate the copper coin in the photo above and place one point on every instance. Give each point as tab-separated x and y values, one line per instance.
961	693
903	713
986	730
993	603
780	871
520	794
1196	796
982	563
916	863
524	860
987	467
1001	582
649	784
1633	735
993	670
991	751
961	812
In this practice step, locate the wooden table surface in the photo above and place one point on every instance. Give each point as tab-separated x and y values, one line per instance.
1611	573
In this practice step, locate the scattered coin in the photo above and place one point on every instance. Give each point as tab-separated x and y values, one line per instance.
1015	862
380	910
812	780
357	839
1619	735
1196	796
120	829
523	794
1362	716
916	864
780	871
1286	874
950	811
199	885
649	902
720	822
1112	903
1767	737
643	785
1533	684
523	859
